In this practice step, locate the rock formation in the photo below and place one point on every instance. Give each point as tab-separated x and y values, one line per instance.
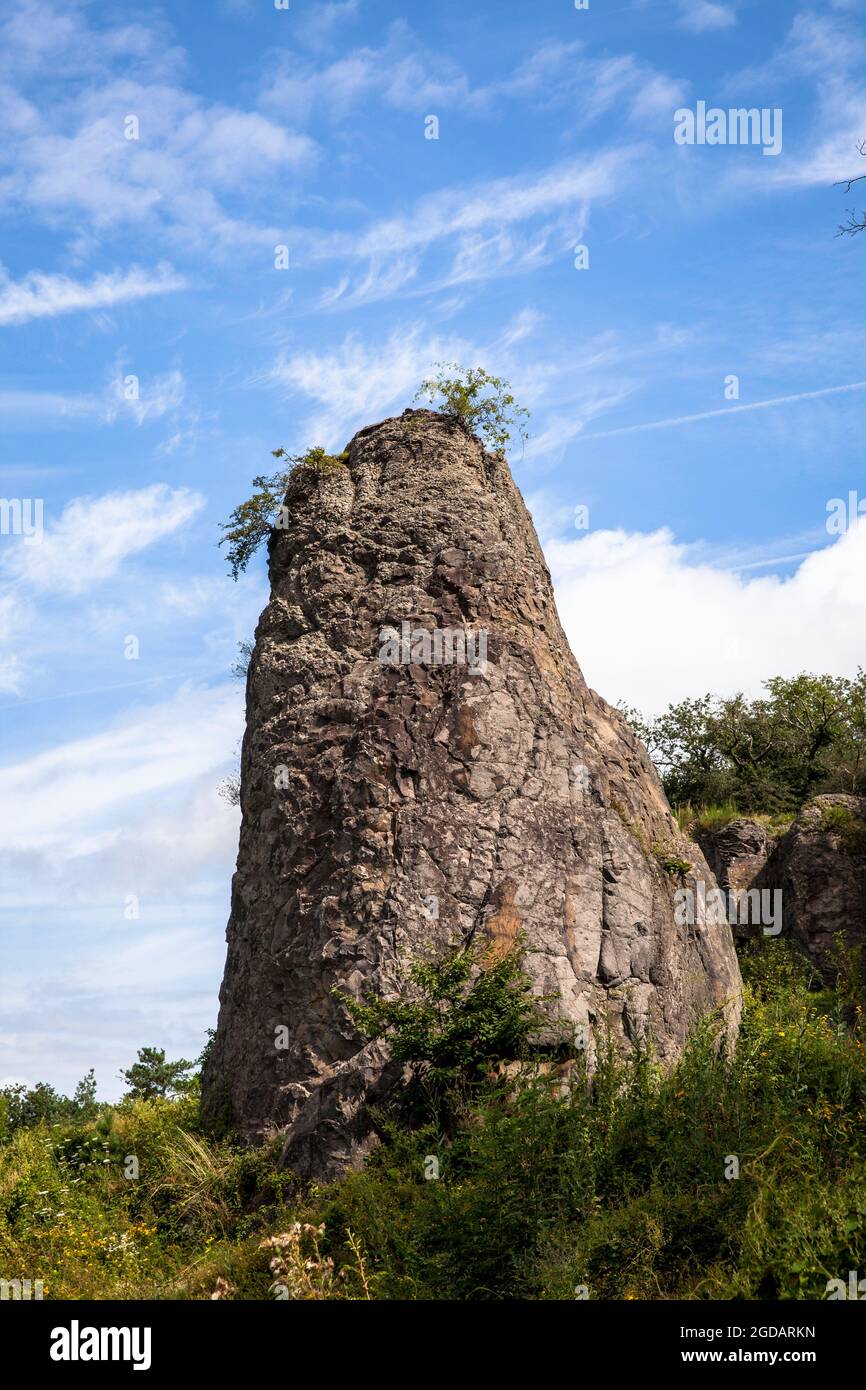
423	763
736	853
817	867
820	868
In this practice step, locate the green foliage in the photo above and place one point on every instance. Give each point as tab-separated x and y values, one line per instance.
548	1180
484	403
672	863
252	521
769	755
152	1076
621	1186
23	1107
463	1013
850	828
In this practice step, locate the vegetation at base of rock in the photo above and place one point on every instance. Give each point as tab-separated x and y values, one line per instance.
767	755
543	1186
483	403
252	522
462	1013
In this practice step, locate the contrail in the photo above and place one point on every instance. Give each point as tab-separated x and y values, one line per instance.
95	690
725	410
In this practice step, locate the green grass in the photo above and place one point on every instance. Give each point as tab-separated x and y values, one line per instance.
620	1186
695	820
844	823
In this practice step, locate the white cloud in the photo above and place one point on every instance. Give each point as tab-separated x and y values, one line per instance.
829	52
402	73
144	400
650	623
705	16
359	381
14	618
41	295
132	810
405	74
69	46
101	798
67	156
94	536
319	27
498	202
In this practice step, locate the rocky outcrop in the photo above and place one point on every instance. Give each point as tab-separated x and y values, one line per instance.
814	873
820	868
736	853
423	763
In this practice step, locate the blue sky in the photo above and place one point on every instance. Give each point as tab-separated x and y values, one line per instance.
153	355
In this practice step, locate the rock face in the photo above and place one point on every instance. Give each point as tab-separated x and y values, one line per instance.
424	763
736	854
820	867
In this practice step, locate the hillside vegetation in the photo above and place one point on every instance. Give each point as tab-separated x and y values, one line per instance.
546	1189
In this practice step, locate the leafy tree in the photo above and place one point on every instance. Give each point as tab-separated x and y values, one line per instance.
483	403
252	521
23	1107
152	1076
84	1097
807	735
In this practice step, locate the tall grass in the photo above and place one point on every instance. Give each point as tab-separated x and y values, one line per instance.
624	1187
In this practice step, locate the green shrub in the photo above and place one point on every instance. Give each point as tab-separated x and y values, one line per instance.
540	1181
483	403
462	1013
252	522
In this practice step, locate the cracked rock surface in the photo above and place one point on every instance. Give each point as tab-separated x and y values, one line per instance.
393	806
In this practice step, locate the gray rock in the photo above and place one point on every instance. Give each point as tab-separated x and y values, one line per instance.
391	809
736	854
820	867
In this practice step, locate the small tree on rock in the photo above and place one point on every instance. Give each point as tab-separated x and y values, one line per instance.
483	403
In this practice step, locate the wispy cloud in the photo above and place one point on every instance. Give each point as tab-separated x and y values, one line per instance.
125	396
176	168
40	295
358	381
68	796
94	536
491	228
